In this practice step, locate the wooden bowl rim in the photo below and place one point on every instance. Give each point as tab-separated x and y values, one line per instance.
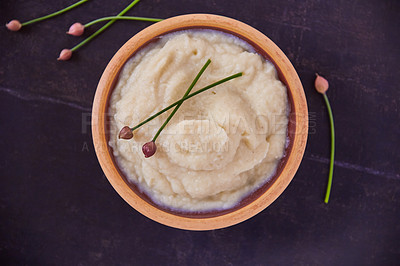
225	24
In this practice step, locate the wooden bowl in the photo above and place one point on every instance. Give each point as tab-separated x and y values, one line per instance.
258	200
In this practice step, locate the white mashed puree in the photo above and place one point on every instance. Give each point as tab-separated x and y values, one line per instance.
221	144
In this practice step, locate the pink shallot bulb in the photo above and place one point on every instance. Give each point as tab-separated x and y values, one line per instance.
76	29
14	25
321	84
65	55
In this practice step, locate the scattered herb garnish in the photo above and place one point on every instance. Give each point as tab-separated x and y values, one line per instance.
15	25
77	28
322	85
67	53
186	94
150	148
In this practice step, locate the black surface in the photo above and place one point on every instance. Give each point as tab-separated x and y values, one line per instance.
57	207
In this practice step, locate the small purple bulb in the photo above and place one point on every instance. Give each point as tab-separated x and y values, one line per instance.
125	133
149	149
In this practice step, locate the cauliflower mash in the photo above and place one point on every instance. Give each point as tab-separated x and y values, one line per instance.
221	144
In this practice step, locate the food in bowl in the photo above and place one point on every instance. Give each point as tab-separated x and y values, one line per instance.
256	201
222	144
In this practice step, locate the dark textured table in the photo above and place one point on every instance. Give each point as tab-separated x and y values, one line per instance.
57	207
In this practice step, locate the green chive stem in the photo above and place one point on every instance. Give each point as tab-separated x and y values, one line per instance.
55	13
329	186
186	98
179	104
121	17
88	39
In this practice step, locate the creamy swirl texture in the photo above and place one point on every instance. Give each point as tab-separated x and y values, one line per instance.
221	144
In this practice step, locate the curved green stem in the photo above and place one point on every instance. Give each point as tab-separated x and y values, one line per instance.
186	94
122	17
186	98
88	39
55	13
329	186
